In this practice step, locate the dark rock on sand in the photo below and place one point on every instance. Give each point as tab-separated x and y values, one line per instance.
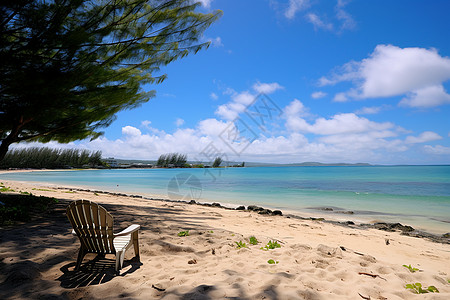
240	207
393	227
254	208
347	212
265	211
277	213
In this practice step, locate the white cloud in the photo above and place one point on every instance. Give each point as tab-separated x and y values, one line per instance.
369	110
437	150
214	96
216	42
340	97
267	88
295	6
179	122
344	137
146	124
339	22
318	23
424	137
318	95
240	101
347	20
212	127
130	131
237	105
338	124
294	114
393	71
427	97
205	3
345	123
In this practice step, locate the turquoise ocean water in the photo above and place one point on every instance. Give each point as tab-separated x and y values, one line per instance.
415	195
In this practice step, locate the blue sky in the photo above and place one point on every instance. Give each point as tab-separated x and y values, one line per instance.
344	81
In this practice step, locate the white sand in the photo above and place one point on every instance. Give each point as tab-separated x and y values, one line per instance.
317	260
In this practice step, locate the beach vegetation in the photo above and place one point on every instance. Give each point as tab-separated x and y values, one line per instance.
43	190
417	288
49	158
183	233
411	269
217	162
272	262
253	240
68	67
6	189
241	244
21	207
271	245
172	160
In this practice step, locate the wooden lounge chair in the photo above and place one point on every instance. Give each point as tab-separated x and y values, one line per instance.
94	227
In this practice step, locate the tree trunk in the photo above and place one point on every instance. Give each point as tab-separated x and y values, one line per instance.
4	148
11	138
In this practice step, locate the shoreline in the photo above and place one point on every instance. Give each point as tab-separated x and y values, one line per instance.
404	229
431	222
317	259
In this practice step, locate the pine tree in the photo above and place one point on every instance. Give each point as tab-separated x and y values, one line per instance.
68	66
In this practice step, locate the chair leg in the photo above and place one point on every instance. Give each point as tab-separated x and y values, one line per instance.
136	244
119	260
81	254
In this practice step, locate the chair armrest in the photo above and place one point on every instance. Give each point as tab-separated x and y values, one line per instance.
129	230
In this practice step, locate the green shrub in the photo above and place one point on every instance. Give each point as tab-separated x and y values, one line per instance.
272	262
20	207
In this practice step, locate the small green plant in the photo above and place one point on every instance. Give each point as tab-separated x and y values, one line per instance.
417	288
271	245
272	262
253	240
411	269
240	245
6	189
183	233
43	190
211	231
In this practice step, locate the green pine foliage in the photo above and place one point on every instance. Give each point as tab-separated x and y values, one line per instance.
217	162
48	158
67	67
174	160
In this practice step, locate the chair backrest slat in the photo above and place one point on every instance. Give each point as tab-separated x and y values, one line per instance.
96	229
93	225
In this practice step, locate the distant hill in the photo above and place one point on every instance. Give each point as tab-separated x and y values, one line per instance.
248	164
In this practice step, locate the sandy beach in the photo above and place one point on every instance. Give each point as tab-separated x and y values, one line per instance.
317	260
